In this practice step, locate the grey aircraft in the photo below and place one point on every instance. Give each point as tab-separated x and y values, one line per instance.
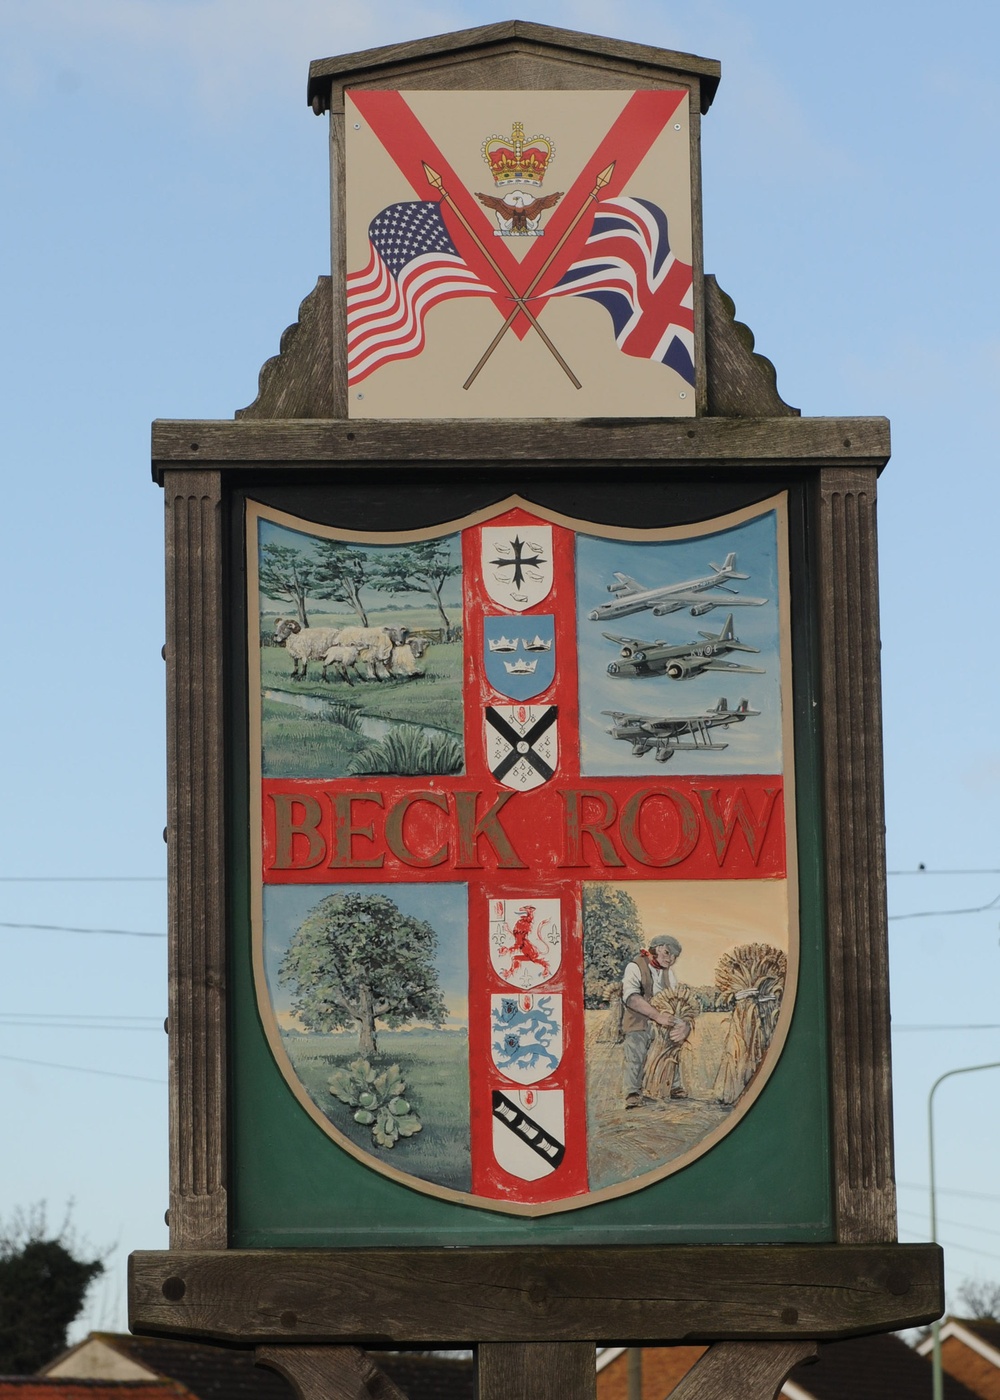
632	597
665	734
638	658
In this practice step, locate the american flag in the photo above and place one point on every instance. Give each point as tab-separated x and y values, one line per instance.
628	267
413	266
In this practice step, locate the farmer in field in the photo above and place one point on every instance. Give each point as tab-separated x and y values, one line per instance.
646	978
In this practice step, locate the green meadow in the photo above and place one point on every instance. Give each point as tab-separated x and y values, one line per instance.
435	1067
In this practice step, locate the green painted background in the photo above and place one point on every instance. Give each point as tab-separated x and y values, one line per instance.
767	1180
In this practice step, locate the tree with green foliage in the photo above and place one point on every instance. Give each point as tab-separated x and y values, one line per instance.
357	958
286	575
43	1284
424	567
340	573
612	937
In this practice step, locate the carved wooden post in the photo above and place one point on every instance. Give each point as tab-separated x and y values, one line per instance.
196	861
861	1085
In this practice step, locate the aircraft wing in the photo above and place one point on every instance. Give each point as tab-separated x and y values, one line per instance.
629	585
732	599
626	641
732	667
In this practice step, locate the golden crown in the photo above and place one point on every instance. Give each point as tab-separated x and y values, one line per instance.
515	160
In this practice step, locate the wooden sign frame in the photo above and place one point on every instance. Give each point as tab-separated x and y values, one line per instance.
534	1316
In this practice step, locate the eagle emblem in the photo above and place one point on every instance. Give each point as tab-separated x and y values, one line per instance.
518	214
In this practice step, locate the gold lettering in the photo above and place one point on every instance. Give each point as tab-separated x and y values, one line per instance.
737	812
629	828
286	828
576	828
344	832
469	831
395	838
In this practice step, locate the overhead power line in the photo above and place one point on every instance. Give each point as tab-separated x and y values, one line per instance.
947	913
947	1191
71	928
922	871
84	1069
959	1224
71	1026
965	1027
87	879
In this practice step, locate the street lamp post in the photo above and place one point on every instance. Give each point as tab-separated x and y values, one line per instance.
937	1378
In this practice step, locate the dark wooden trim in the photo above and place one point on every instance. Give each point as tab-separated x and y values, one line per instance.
741	382
329	1373
385	65
744	1369
196	861
298	382
338	265
854	820
543	442
539	1370
639	1295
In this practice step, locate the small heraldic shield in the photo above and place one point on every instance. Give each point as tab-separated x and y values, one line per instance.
520	657
517	564
527	1035
529	1134
521	745
525	940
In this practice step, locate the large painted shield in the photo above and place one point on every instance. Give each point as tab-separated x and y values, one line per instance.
460	884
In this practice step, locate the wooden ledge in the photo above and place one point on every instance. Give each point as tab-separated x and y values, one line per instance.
596	444
644	1295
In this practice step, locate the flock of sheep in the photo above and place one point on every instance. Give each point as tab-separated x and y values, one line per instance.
370	653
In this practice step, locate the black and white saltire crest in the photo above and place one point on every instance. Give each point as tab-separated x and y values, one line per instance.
522	748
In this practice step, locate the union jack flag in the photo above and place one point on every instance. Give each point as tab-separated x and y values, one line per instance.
413	265
628	267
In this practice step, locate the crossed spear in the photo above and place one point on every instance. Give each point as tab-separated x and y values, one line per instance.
520	301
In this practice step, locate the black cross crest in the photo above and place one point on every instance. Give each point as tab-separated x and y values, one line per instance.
522	746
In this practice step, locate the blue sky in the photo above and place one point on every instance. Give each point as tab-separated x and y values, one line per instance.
164	212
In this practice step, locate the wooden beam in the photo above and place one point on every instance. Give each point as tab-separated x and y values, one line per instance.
544	443
640	1295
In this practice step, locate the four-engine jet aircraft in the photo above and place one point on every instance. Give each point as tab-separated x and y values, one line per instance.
680	661
667	733
632	597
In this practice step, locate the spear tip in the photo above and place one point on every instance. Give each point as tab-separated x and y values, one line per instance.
433	177
604	178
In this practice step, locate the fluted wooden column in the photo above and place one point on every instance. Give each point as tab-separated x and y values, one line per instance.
854	818
196	846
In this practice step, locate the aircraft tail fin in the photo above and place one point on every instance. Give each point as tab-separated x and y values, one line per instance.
728	568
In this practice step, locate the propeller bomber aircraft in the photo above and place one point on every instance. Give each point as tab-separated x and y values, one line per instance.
681	661
667	733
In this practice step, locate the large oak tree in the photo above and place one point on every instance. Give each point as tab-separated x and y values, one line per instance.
356	959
